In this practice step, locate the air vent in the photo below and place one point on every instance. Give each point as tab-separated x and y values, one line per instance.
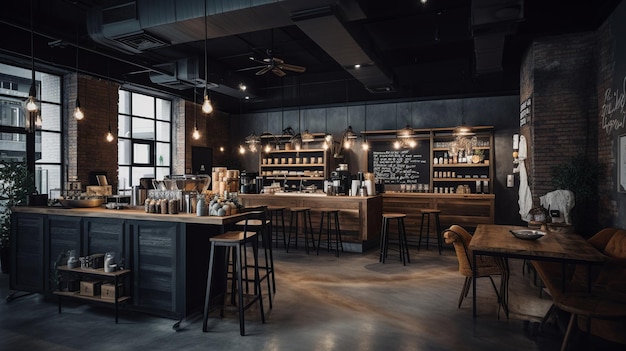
381	90
141	41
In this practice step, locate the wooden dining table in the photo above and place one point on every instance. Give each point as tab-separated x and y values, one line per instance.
498	241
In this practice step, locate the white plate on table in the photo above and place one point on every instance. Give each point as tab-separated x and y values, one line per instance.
528	234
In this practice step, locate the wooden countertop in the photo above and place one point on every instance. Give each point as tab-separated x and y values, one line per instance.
428	195
305	196
137	213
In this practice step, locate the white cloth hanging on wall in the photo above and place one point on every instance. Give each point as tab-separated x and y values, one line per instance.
525	200
562	200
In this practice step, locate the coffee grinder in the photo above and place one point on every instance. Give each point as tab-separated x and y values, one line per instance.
248	182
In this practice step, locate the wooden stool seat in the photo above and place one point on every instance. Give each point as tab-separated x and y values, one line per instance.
403	246
426	214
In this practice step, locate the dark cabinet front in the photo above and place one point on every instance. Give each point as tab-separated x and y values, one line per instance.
64	234
158	272
27	246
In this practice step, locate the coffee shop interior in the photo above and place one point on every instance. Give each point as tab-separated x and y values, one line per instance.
406	174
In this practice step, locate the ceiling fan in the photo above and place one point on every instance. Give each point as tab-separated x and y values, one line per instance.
276	65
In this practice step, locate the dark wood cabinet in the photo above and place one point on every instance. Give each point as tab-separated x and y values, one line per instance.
27	259
63	234
156	261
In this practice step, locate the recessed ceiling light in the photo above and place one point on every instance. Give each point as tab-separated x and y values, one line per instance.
357	66
242	87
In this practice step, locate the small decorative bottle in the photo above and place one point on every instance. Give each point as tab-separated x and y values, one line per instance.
201	207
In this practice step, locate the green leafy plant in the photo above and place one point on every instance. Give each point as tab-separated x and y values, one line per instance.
16	183
580	175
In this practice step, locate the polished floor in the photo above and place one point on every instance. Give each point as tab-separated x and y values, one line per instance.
352	302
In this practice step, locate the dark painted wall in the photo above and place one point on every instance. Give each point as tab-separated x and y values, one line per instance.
500	112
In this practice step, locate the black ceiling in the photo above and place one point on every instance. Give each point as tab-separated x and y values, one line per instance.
407	49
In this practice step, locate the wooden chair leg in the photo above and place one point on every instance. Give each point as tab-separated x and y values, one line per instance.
465	290
570	326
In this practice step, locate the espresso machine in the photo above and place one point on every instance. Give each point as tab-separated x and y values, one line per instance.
341	180
248	182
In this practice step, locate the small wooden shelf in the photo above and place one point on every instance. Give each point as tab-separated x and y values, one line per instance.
289	165
99	273
77	295
295	151
461	165
458	179
95	271
294	178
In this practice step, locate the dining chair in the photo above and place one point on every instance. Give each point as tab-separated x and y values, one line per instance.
486	266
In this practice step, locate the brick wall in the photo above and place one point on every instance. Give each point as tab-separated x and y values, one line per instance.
559	73
88	149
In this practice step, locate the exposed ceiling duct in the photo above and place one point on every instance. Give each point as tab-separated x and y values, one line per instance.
492	20
138	26
325	28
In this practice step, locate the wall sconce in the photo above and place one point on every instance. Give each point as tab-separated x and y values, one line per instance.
253	142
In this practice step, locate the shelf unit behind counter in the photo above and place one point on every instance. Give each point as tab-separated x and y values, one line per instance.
303	164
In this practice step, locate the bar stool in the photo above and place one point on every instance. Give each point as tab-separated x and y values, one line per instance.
262	226
274	212
305	213
234	242
330	214
403	246
426	213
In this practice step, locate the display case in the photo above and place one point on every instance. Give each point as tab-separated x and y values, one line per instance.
304	166
462	163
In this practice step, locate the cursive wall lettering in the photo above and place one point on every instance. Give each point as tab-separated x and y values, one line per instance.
613	115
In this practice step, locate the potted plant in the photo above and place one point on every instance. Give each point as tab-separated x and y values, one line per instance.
16	183
580	175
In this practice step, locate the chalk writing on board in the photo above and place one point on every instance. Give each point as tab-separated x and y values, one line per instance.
612	112
399	166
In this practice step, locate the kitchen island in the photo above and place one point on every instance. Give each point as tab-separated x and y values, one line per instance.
167	254
359	216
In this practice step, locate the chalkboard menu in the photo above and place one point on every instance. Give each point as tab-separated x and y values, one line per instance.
405	166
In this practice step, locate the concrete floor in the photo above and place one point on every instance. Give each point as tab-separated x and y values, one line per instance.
322	303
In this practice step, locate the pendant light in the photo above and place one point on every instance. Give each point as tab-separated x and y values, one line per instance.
328	138
78	113
109	136
31	104
349	135
207	107
196	132
365	146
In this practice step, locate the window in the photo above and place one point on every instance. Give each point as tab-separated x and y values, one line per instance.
15	83
144	137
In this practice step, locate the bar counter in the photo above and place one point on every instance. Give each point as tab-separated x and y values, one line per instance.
360	217
467	210
166	254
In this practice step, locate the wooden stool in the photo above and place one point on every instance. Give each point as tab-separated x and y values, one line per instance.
333	214
274	211
426	212
262	226
234	242
402	242
305	212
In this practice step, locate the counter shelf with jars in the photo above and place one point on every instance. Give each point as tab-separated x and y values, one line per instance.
303	164
462	164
